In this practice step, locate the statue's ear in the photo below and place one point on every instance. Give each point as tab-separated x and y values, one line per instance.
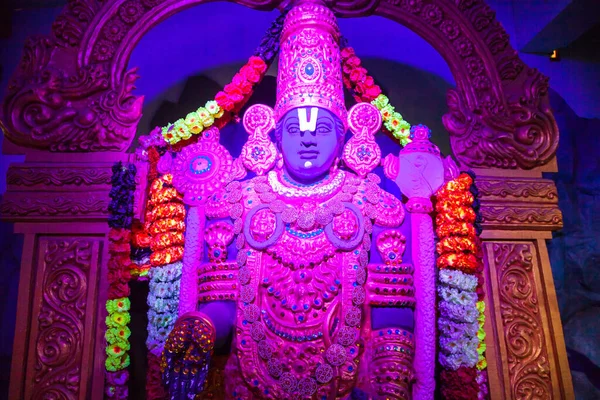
259	153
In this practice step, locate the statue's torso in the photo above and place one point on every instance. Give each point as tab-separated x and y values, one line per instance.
302	280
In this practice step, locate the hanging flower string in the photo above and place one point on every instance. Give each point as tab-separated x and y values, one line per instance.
118	304
364	89
165	224
234	95
460	291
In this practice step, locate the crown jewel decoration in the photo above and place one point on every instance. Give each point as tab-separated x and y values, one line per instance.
310	72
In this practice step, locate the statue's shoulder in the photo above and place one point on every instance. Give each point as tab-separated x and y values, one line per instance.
246	193
381	206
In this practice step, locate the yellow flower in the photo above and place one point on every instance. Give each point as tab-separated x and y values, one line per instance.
480	306
182	130
481	334
481	348
482	363
113	363
381	101
120	319
387	112
120	305
117	349
168	133
192	119
205	116
213	108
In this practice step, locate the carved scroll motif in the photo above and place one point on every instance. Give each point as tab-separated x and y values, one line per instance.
527	355
499	114
58	176
72	91
59	205
60	338
534	190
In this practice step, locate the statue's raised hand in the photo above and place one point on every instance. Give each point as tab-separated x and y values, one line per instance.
419	169
186	357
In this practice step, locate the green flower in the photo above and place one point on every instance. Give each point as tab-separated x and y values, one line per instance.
213	108
113	364
387	112
182	130
118	305
381	101
120	319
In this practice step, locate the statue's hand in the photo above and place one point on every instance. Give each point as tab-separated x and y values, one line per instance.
186	357
419	169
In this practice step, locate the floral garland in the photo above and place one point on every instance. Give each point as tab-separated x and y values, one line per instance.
118	304
234	95
364	89
460	291
165	225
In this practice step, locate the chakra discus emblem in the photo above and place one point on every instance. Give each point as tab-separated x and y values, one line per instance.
247	294
353	316
324	373
307	386
346	336
265	351
336	355
288	382
251	312
257	331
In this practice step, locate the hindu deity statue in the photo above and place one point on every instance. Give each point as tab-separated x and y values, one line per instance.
318	283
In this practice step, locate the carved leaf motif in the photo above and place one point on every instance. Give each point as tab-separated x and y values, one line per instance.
525	189
55	205
27	176
526	347
61	320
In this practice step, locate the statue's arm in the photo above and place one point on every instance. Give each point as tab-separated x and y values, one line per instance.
207	307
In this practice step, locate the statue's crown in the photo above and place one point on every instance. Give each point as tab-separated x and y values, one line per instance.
310	71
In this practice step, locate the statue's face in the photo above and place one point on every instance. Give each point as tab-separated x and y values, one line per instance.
310	141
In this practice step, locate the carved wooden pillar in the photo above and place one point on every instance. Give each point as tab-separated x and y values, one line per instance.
525	345
59	202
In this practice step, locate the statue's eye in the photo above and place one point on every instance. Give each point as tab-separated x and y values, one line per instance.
322	128
293	129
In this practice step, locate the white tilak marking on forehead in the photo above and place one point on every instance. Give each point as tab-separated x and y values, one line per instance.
308	125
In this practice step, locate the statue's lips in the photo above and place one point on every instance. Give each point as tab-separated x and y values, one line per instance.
308	154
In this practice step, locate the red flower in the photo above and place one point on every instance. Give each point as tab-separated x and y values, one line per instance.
251	75
240	81
346	69
353	61
347	52
460	384
358	74
224	101
118	289
234	92
257	64
347	82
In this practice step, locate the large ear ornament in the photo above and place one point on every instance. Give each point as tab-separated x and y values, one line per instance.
259	153
361	153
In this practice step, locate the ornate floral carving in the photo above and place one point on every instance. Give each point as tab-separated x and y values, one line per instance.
58	176
499	116
539	190
522	324
61	319
531	217
57	205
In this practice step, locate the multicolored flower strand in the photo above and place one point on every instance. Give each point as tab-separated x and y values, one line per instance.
460	294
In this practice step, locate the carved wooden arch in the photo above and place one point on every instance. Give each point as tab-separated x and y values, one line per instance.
72	92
